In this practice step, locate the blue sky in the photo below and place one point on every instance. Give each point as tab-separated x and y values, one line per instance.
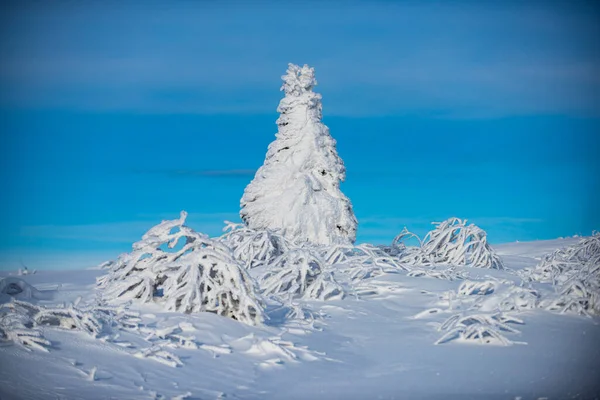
116	115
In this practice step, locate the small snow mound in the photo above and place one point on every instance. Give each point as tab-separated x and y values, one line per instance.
254	247
361	262
468	288
156	353
20	322
19	289
18	327
479	329
451	242
184	271
575	273
301	273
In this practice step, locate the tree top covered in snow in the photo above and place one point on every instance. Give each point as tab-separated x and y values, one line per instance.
297	190
298	80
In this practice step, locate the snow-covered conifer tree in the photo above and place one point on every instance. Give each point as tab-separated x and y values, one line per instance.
297	189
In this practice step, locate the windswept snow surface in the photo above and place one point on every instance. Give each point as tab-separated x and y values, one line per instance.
379	345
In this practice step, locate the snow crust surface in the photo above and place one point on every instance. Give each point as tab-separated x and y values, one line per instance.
377	342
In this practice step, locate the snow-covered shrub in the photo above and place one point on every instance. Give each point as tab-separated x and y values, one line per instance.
399	247
172	336
496	296
254	247
517	298
156	353
20	321
451	242
201	275
481	288
579	292
360	262
17	326
119	317
215	283
575	272
72	318
300	273
137	275
479	328
297	190
559	265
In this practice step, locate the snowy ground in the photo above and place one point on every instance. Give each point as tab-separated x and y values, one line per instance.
378	346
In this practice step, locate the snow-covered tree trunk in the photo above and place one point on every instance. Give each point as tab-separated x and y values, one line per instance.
297	190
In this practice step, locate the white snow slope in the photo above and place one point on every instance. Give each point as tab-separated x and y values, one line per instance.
378	346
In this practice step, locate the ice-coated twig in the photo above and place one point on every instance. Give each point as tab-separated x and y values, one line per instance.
185	271
575	273
479	328
451	242
156	353
301	273
254	247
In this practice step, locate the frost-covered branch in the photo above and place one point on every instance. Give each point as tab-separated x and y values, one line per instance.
17	326
451	242
185	271
72	318
479	328
21	322
575	273
362	261
300	273
254	247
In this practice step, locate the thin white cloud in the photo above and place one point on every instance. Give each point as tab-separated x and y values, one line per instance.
374	59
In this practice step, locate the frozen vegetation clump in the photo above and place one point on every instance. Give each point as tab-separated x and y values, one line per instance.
451	242
296	192
184	271
17	326
21	322
575	273
479	328
254	247
300	273
362	261
517	298
561	263
70	317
